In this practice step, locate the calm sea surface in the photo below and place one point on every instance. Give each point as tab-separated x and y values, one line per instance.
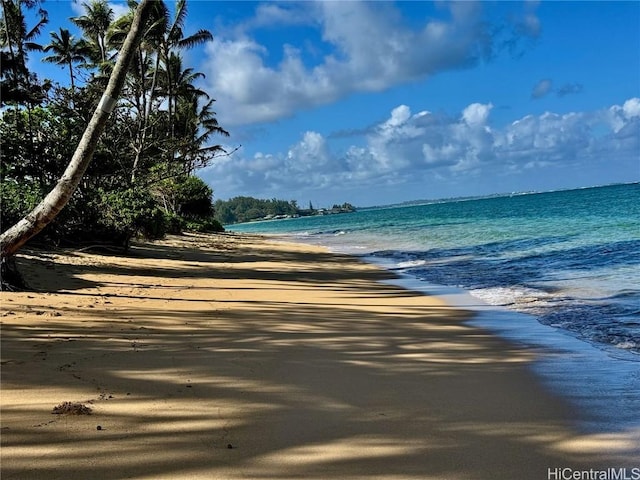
568	260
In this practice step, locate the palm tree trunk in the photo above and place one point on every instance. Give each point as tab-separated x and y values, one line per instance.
73	86
15	237
102	46
72	102
144	112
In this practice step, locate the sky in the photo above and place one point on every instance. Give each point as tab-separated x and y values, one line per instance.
381	102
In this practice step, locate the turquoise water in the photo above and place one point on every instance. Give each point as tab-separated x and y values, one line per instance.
557	270
570	258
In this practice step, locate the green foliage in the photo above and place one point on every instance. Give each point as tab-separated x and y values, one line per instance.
175	223
187	203
208	225
141	180
16	200
344	208
195	205
193	197
17	84
32	150
126	213
245	209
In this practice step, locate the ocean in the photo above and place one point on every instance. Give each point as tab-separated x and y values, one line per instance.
557	270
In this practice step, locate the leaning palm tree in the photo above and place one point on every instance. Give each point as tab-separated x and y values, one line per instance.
66	51
15	237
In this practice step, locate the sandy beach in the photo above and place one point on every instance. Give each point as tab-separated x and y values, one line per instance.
236	357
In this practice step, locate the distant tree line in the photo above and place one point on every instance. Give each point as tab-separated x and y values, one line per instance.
247	209
141	180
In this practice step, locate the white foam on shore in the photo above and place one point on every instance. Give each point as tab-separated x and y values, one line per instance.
604	386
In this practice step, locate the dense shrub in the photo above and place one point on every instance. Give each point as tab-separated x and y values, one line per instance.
131	212
193	197
175	223
209	225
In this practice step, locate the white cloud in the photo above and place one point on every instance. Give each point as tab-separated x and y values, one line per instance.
408	148
119	8
368	46
619	116
271	14
399	115
476	114
631	108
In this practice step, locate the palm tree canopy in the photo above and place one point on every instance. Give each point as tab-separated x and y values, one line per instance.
97	19
95	25
183	79
173	35
65	48
14	26
15	33
198	38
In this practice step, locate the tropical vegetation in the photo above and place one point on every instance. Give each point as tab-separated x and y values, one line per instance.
141	180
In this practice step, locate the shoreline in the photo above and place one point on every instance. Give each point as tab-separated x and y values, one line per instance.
567	365
307	364
598	380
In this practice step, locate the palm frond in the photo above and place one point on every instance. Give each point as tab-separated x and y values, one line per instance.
175	32
32	46
37	29
198	38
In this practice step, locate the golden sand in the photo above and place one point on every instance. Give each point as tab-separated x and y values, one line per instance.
228	357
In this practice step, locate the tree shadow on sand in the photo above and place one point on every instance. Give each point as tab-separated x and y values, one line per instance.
254	387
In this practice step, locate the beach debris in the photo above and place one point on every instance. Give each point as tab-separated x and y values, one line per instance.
99	427
71	408
229	446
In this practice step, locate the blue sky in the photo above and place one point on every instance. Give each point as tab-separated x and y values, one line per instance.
383	102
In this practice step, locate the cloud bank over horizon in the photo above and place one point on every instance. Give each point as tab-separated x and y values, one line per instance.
360	101
432	148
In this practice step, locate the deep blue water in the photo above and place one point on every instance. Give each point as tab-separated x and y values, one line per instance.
568	259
